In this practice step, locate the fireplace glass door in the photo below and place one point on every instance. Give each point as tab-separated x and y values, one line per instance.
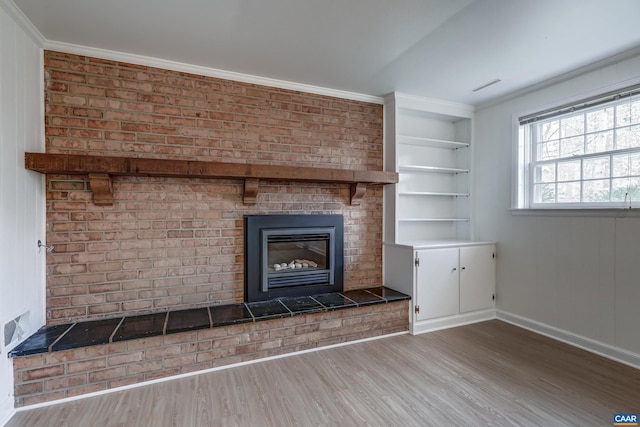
297	257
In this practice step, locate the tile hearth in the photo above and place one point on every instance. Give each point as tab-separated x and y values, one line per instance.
96	332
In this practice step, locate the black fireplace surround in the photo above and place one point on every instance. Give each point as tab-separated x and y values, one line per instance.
292	255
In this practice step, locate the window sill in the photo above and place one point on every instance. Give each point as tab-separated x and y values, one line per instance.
581	212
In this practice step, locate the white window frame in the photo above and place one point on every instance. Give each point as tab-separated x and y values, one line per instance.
525	150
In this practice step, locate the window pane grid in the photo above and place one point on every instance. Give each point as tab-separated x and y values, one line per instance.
601	186
592	157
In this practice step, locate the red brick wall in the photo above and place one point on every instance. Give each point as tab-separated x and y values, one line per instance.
177	243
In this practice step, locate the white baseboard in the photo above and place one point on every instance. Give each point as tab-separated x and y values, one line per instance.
204	371
605	350
6	410
451	321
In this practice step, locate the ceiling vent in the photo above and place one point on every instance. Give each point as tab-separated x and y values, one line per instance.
486	85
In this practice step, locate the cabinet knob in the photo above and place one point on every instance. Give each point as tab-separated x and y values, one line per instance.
464	268
454	269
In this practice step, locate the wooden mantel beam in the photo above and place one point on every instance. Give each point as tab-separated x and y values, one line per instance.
101	167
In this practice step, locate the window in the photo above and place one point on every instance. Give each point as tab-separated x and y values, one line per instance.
582	155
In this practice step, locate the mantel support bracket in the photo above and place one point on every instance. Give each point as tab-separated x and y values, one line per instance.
250	193
357	193
100	185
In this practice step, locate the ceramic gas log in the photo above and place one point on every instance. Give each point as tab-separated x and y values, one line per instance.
296	263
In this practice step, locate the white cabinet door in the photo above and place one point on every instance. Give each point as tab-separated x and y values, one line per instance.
437	283
477	277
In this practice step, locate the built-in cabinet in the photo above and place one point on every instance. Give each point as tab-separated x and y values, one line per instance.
454	280
429	251
449	285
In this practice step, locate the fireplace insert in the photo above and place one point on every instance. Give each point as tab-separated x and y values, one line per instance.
292	255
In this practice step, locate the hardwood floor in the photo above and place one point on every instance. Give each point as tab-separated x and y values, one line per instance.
489	373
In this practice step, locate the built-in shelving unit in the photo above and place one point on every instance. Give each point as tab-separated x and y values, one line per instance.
428	250
428	144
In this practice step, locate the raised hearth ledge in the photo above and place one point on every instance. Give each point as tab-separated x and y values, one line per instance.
95	332
45	377
101	168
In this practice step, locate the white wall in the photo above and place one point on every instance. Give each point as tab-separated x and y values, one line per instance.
22	204
575	277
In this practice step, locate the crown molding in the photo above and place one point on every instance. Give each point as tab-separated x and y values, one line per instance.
23	22
205	71
19	18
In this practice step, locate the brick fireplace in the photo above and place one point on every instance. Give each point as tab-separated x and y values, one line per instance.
168	252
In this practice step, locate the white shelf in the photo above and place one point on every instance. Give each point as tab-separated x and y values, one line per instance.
430	142
431	169
432	193
434	219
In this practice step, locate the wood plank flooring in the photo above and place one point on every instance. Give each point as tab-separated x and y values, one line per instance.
489	373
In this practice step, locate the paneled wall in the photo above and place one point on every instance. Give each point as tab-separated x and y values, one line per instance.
169	243
575	274
21	193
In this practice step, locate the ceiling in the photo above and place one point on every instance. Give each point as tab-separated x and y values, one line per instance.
435	48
